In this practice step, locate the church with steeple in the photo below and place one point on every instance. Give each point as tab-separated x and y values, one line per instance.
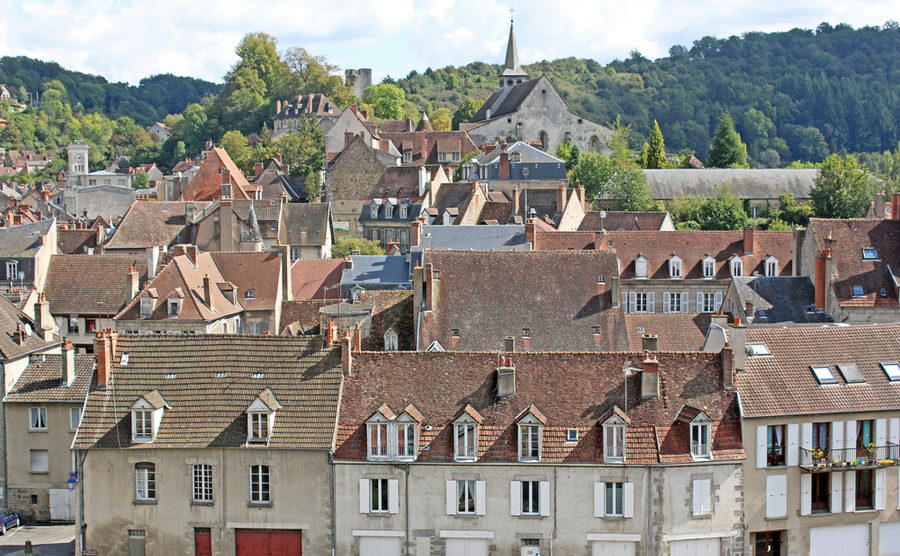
532	111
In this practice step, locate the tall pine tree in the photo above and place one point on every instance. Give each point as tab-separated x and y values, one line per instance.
726	150
656	150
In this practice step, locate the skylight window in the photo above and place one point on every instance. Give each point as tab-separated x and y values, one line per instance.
857	291
892	370
851	373
757	350
869	253
824	374
640	328
171	375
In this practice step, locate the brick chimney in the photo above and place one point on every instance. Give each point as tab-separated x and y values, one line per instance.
454	338
415	232
191	252
354	108
581	197
348	138
207	293
515	200
561	198
529	232
526	340
506	378
104	359
650	378
409	125
357	338
649	342
19	335
820	279
278	107
487	148
429	286
330	333
895	206
748	240
346	355
727	367
257	169
43	322
133	282
504	163
68	363
286	169
348	263
879	204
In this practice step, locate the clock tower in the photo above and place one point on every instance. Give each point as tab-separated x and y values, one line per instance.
78	162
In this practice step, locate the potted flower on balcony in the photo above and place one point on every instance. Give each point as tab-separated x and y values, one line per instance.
818	456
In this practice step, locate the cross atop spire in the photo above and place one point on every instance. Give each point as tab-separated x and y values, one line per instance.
511	12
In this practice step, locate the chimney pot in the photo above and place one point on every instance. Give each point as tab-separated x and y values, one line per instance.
650	379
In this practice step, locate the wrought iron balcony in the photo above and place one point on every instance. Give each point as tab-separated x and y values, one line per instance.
870	457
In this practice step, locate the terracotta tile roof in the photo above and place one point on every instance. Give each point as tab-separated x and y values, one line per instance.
69	242
674	331
11	318
394	126
553	240
209	412
784	384
497	208
622	221
207	182
524	292
299	317
317	104
257	271
42	381
693	246
848	238
390	309
78	284
442	384
425	145
151	223
310	276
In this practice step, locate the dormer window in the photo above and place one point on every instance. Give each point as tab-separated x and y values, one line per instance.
261	417
701	443
391	437
391	340
146	307
407	437
465	442
403	210
407	156
373	208
174	307
640	267
614	435
146	414
674	266
530	434
709	267
737	266
388	211
771	266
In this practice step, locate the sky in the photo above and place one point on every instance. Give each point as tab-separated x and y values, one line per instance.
129	40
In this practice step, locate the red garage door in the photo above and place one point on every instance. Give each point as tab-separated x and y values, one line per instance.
256	542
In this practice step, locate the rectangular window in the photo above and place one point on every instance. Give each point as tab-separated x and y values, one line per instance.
73	325
40	461
379	495
772	268
870	253
407	156
388	211
259	425
768	543
403	208
121	182
737	267
709	268
865	486
614	442
294	255
143	423
259	484
700	444
106	182
709	303
373	211
12	270
465	441
74	418
531	497
821	436
202	490
775	451
90	325
38	417
146	307
378	440
465	495
406	440
702	497
173	308
529	442
864	437
674	268
615	499
821	492
145	481
640	303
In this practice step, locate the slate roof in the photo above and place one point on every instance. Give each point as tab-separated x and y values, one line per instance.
377	271
674	331
526	153
783	383
489	295
440	385
310	276
478	238
24	241
781	298
151	223
543	201
746	184
511	103
12	317
209	412
257	271
693	246
622	221
77	284
312	216
42	381
848	238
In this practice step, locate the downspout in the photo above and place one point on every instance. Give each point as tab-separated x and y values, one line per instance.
79	469
649	509
406	495
333	510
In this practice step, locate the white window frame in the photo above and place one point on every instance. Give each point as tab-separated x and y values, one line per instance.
601	508
701	494
12	270
675	302
373	210
530	439
701	438
260	484
381	493
737	266
201	483
388	211
407	156
377	440
369	486
142	425
531	497
37	418
74	418
771	266
173	303
408	428
404	208
146	307
40	461
295	254
145	482
257	426
675	267
615	440
709	268
708	302
468	490
465	429
640	267
615	500
391	340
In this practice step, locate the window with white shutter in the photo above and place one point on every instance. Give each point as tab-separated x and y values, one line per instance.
667	302
465	498
685	303
850	491
699	302
806	493
792	444
702	497
837	439
776	499
837	490
651	302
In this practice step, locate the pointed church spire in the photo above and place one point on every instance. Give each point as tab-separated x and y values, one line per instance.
512	67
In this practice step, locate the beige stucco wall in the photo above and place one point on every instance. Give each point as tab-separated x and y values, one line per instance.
795	542
229	325
300	499
571	517
660	286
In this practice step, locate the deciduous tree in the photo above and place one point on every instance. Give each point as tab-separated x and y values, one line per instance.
843	188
